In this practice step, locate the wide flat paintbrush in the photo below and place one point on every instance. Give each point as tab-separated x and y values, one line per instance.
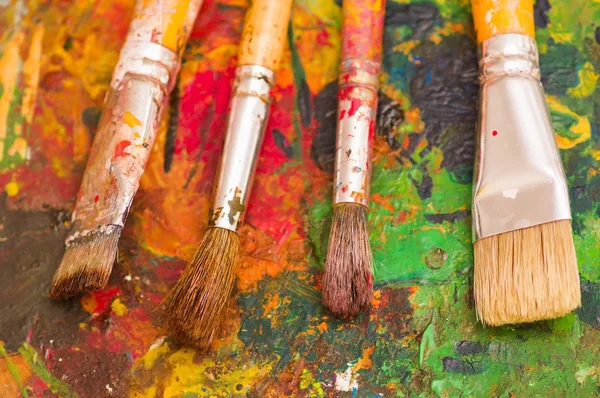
525	264
348	278
139	90
195	305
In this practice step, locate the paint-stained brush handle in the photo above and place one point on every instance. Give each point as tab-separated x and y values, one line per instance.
362	29
500	17
141	83
263	40
519	179
362	32
264	34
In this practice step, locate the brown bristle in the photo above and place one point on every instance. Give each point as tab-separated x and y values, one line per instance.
526	275
86	264
348	278
195	305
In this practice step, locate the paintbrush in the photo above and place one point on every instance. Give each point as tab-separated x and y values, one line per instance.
525	264
195	306
133	108
347	284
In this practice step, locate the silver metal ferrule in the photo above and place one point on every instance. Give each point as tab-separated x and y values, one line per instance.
357	111
519	181
126	132
248	114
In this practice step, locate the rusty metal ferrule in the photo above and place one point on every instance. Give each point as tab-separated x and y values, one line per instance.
248	115
126	132
357	111
519	180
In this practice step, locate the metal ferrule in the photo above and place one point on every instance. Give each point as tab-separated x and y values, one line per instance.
124	138
248	114
357	111
519	181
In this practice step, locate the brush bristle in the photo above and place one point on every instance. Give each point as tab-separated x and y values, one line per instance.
86	264
348	278
196	304
526	275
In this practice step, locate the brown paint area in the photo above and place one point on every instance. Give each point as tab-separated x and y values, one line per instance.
236	207
32	244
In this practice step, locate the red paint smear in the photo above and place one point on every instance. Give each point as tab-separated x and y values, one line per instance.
103	299
494	133
38	386
203	111
371	132
355	104
342	114
30	333
96	199
120	149
323	38
344	188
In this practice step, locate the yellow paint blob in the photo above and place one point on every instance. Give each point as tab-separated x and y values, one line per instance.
587	82
130	119
19	147
12	188
580	130
118	307
498	17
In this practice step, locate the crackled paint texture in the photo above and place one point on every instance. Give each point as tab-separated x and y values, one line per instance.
421	339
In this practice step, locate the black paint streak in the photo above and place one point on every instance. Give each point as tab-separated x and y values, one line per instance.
282	144
420	17
451	217
32	245
323	144
445	88
303	95
540	13
304	105
597	35
589	312
465	347
453	365
389	116
425	186
91	117
172	127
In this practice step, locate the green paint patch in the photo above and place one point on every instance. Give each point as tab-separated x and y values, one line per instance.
15	126
14	372
588	248
57	386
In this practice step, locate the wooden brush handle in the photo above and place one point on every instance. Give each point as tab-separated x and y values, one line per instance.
499	17
165	22
362	29
265	33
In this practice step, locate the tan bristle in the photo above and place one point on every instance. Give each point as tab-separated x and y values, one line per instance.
195	305
526	275
348	278
86	264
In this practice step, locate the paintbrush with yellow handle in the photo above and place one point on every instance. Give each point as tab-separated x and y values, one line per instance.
195	306
138	94
525	264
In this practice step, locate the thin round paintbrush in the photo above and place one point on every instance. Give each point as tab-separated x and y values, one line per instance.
139	90
196	304
525	264
347	284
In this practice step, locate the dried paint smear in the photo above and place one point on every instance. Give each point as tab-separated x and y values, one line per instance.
421	339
